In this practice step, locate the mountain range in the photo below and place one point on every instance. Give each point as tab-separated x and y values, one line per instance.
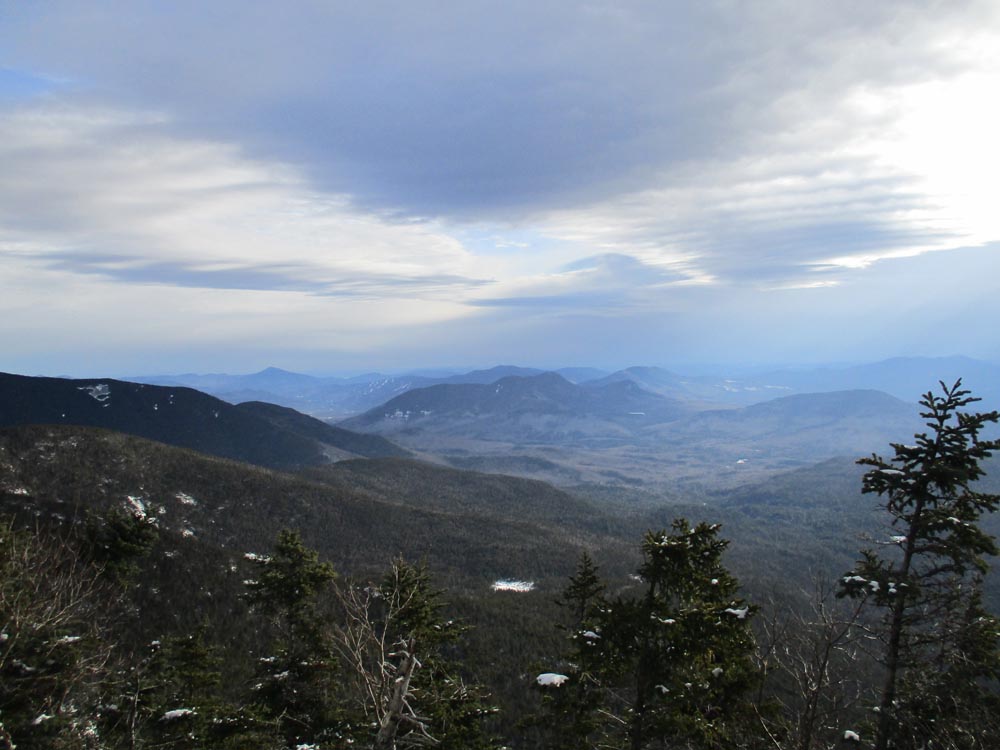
609	430
333	397
801	428
614	431
338	398
254	432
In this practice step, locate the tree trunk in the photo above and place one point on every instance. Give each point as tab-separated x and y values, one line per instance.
895	635
389	726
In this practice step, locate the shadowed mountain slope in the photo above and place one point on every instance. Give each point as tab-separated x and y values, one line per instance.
434	487
179	416
359	444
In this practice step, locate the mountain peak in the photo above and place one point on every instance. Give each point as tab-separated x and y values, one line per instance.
275	371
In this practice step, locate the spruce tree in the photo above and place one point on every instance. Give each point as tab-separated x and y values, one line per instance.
297	678
670	666
584	590
117	540
939	644
182	698
571	697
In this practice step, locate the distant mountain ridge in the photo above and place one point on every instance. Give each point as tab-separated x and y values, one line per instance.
803	427
695	389
255	433
333	397
540	407
906	378
337	398
612	430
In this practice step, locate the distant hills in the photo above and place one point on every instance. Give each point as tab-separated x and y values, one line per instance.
338	398
540	408
256	433
613	430
705	390
796	429
331	397
641	426
906	378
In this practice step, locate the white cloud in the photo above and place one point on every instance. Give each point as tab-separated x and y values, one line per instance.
112	193
339	178
878	143
117	236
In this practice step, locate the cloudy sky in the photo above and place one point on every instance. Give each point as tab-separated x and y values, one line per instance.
337	186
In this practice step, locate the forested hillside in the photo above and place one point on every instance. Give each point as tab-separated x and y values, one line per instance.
156	597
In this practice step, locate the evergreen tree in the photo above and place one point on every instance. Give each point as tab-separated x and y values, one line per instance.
571	698
939	643
185	712
119	538
167	697
298	677
670	666
584	590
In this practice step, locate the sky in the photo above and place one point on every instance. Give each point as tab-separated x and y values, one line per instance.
334	187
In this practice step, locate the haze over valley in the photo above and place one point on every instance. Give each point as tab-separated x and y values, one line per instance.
640	426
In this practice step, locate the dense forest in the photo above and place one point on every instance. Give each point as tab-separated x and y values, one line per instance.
131	624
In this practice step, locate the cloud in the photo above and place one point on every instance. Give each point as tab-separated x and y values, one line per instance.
477	113
110	193
609	283
123	244
467	110
262	277
475	166
475	109
835	176
58	321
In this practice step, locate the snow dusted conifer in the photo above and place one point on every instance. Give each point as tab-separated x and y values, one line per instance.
569	718
296	681
940	645
671	664
168	697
